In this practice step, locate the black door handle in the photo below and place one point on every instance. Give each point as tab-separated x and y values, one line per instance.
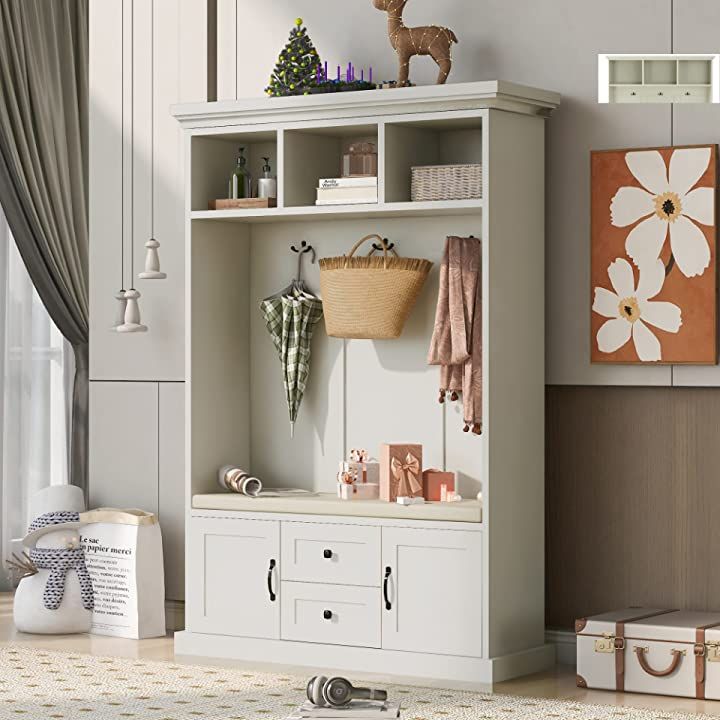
269	581
327	614
388	604
327	554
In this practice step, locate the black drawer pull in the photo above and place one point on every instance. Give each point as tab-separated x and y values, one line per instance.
388	604
327	554
327	614
269	581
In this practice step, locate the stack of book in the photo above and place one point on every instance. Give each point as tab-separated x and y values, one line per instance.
347	191
356	710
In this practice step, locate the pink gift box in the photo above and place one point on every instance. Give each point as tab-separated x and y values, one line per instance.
400	471
433	480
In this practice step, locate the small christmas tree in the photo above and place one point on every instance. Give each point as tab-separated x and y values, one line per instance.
298	66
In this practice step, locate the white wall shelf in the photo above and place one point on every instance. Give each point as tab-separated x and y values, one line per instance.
658	78
236	410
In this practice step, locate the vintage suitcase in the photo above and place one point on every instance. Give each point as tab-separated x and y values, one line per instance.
646	650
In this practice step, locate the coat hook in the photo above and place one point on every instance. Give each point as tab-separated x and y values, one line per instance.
379	248
305	248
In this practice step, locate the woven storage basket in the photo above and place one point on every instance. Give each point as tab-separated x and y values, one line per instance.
370	297
446	182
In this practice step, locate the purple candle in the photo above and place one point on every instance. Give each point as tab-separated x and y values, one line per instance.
338	73
326	71
362	74
370	74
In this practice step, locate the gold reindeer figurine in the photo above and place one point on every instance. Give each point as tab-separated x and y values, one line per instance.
426	40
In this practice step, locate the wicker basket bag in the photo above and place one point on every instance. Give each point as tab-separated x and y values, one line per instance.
370	297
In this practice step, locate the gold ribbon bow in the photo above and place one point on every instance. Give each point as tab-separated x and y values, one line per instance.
406	473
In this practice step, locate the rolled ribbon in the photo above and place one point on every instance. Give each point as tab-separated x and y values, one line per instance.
407	473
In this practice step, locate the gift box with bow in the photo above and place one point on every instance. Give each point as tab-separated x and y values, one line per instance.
400	471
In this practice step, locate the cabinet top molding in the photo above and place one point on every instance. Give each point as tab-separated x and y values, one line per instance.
498	94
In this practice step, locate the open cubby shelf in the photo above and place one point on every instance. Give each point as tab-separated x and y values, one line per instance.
301	156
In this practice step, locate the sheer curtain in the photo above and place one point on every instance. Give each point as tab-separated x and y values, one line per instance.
36	373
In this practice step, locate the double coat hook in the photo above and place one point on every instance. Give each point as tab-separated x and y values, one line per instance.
304	249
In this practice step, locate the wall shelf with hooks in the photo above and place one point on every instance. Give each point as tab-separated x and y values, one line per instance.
658	78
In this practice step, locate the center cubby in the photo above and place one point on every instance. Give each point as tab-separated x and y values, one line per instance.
315	153
214	158
441	141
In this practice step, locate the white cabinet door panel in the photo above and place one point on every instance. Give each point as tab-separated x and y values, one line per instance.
333	614
123	421
432	591
235	577
171	484
326	553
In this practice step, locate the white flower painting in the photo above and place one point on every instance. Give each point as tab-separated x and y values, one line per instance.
653	255
669	205
630	310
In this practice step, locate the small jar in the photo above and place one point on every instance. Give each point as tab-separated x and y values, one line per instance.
360	160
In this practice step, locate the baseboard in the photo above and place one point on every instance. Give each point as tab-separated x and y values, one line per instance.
565	646
174	615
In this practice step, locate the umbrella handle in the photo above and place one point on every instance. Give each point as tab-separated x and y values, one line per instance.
361	241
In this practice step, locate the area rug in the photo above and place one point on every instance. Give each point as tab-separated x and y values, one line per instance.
40	684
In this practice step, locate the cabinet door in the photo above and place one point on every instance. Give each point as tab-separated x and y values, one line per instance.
123	424
432	591
171	485
235	578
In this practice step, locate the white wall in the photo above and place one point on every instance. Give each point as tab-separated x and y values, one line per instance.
554	46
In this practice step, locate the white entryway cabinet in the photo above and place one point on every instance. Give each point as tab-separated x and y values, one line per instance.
448	592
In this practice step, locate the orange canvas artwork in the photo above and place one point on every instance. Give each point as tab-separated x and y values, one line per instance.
653	250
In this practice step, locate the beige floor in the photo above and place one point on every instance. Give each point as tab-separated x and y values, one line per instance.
559	683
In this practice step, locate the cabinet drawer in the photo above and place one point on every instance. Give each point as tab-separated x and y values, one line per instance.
325	553
334	614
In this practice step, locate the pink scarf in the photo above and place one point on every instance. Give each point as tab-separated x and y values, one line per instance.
456	343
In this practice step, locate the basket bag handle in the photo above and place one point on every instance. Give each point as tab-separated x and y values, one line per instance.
669	670
362	240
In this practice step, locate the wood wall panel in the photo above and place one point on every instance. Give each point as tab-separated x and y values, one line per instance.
631	497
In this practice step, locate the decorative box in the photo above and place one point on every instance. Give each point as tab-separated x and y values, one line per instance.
367	472
400	471
358	491
647	650
433	480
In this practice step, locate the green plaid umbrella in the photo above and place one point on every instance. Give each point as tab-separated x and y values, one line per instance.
291	320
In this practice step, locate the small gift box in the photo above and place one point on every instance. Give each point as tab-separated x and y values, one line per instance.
367	469
433	482
358	491
400	471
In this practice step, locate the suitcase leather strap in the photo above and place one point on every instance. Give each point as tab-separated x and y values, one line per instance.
620	645
700	652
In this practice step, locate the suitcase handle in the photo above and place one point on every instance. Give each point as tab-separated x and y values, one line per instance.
669	670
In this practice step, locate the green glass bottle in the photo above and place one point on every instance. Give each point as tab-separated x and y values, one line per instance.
240	184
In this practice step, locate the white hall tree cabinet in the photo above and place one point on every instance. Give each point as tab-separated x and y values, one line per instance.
466	584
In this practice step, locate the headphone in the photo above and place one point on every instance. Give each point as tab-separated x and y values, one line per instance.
337	691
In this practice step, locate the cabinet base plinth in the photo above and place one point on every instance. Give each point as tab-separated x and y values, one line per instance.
461	673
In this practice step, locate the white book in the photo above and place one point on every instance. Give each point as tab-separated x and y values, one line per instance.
351	201
357	710
347	182
350	193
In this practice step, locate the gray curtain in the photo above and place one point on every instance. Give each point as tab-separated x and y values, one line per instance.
43	171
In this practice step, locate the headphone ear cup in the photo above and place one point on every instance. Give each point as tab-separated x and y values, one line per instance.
315	690
337	691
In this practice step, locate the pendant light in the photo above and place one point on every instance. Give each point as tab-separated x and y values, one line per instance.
152	259
132	323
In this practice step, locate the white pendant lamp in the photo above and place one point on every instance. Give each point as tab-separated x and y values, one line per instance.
152	258
131	312
120	310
